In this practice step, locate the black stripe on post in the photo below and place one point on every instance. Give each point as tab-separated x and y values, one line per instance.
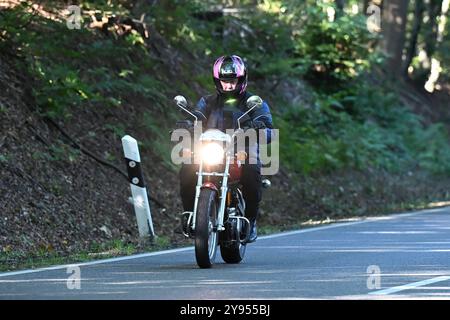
135	175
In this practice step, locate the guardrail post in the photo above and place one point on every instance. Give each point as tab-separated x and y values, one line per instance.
138	188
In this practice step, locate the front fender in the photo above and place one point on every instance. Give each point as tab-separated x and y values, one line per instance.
210	185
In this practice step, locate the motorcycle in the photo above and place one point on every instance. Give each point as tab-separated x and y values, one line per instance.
218	217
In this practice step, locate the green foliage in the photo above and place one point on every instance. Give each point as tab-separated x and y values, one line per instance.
59	89
158	139
64	152
111	248
332	52
74	69
361	128
264	38
295	38
60	152
175	20
118	129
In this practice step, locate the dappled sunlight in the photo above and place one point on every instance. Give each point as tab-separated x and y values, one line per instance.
434	75
439	204
443	20
9	3
436	68
331	14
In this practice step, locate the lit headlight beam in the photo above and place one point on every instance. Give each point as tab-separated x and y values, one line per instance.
212	153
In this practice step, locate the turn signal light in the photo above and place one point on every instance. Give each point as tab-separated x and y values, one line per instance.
186	153
241	155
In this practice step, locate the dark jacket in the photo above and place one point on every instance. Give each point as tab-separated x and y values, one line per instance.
215	113
211	110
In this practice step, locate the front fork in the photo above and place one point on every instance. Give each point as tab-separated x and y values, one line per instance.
223	193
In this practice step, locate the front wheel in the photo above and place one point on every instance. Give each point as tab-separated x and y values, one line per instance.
206	235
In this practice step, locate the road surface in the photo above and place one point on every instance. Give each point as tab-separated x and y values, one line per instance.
398	256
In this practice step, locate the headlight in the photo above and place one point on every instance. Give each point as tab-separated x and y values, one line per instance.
212	153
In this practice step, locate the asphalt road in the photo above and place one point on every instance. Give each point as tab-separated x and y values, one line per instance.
399	256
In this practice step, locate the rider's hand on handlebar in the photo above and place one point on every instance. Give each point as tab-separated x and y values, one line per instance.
185	124
254	124
258	124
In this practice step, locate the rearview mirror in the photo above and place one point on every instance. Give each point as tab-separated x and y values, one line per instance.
181	101
254	102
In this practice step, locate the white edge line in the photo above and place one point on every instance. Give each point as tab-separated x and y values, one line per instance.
338	224
136	256
288	233
409	286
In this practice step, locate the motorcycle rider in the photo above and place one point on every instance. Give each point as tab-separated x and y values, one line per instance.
230	79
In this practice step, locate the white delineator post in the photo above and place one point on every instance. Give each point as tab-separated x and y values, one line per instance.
138	189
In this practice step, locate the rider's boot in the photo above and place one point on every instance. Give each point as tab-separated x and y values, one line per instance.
253	232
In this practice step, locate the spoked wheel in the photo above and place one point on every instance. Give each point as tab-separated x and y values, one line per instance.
206	235
233	252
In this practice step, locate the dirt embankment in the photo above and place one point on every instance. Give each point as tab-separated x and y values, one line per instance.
54	197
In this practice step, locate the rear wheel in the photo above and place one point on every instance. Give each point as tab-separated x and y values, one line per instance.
233	251
206	235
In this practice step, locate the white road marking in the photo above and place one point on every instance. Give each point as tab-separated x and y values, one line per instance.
410	286
145	255
136	256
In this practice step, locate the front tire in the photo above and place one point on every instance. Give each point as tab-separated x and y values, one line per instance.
206	235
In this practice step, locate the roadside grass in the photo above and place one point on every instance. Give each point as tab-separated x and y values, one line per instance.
11	260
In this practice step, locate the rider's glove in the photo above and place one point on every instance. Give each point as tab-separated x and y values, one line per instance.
185	124
254	124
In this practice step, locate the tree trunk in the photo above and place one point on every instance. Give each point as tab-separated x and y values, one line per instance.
412	46
393	30
340	4
431	27
365	6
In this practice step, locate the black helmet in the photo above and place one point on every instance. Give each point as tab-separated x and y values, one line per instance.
229	68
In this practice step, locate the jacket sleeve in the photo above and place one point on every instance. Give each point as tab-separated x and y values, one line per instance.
263	114
200	110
